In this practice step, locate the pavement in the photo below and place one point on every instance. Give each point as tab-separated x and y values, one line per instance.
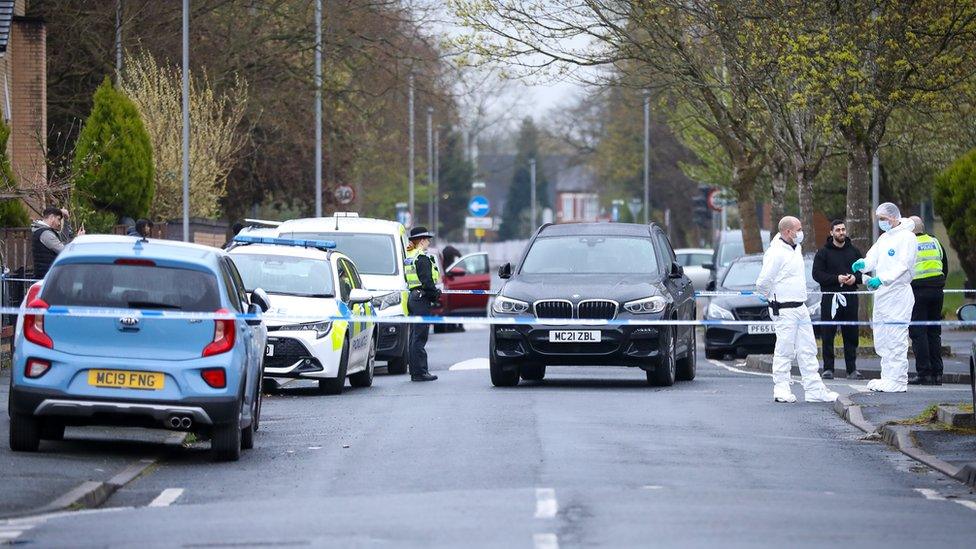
589	456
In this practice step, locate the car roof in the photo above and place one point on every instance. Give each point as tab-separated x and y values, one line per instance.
595	229
288	251
342	225
680	251
116	245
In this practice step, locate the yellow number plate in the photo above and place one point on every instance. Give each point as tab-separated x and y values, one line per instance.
125	379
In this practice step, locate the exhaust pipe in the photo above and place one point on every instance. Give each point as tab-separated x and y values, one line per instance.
180	423
186	423
174	422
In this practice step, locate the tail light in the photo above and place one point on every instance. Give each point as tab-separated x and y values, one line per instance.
36	367
34	325
215	377
223	339
33	292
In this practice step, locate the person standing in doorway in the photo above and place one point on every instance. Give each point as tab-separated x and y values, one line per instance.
831	269
928	286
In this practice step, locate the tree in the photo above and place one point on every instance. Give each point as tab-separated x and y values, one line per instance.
216	135
955	201
12	211
455	176
519	199
118	179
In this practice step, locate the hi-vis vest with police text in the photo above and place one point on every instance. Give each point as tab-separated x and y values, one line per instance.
928	262
410	269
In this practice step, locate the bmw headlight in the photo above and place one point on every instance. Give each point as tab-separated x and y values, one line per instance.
321	329
386	301
645	306
717	311
508	306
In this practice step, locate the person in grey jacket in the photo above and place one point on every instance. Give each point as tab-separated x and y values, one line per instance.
48	237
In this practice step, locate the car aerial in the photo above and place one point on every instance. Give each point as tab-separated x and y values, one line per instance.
693	261
593	271
378	249
729	246
308	285
743	340
138	367
468	273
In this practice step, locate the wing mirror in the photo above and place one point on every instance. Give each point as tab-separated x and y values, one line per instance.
260	298
505	271
708	266
676	271
710	287
967	312
358	296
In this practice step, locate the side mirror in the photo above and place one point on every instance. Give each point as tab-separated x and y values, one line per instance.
260	298
676	271
505	271
967	312
456	271
708	266
710	287
254	309
358	296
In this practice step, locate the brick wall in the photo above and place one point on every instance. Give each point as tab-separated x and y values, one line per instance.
28	90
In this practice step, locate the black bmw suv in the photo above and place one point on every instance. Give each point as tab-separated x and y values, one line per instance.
594	271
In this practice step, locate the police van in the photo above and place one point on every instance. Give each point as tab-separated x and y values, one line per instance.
378	248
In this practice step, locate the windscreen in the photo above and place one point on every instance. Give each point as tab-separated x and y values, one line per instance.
743	274
278	274
373	254
591	255
131	286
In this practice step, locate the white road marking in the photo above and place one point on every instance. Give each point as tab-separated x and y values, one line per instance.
314	447
652	487
971	505
933	495
736	370
475	326
167	497
545	541
471	364
545	503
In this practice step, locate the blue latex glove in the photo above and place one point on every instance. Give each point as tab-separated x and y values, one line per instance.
874	283
763	299
858	266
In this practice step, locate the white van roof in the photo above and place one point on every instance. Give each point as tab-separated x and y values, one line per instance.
342	224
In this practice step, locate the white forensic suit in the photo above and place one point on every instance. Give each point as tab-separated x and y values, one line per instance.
892	258
783	280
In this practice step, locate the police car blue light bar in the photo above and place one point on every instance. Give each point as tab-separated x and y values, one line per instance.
303	243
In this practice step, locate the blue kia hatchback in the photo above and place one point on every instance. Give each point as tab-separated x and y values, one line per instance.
146	365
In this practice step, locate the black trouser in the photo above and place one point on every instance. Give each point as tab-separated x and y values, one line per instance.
848	332
418	305
927	340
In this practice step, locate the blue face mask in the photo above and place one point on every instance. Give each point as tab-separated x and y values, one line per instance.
884	225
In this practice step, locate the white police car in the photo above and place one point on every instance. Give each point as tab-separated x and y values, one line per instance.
308	284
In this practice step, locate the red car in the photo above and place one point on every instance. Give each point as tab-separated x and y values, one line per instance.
469	272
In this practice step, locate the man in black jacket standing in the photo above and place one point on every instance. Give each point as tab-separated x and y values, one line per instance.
832	270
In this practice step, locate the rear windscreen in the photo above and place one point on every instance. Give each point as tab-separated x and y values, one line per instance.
131	286
373	254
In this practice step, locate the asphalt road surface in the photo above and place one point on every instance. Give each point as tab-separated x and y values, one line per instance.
590	456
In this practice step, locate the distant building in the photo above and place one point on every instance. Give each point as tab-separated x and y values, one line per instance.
23	93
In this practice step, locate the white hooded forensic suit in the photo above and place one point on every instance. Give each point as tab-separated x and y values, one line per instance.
892	258
782	280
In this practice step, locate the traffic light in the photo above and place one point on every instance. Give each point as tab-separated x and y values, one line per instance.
702	213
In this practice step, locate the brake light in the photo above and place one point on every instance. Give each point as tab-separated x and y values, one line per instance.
34	325
33	292
36	367
136	262
215	377
223	339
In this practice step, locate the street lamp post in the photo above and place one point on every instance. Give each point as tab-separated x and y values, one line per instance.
430	166
532	198
647	157
186	120
437	181
875	181
410	147
318	108
118	42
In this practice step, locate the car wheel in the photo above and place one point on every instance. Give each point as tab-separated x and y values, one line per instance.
225	442
688	366
269	386
398	366
501	377
533	372
52	429
257	413
365	378
334	385
663	374
442	328
247	433
25	433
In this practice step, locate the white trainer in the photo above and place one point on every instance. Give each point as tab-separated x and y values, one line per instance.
887	386
784	396
825	395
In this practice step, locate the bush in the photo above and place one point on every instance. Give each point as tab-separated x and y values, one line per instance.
113	161
955	202
12	212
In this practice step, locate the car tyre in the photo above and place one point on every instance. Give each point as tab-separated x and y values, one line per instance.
247	433
663	374
533	372
225	442
687	367
398	366
499	376
52	429
25	433
334	386
442	328
365	378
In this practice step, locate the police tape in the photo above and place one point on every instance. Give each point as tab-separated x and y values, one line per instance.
813	292
125	316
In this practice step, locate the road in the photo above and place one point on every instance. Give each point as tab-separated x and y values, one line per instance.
590	456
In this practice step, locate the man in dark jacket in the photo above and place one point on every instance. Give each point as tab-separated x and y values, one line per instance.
832	270
49	236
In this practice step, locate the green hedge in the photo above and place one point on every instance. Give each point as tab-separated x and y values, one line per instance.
955	202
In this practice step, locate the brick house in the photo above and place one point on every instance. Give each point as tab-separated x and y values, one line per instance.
23	95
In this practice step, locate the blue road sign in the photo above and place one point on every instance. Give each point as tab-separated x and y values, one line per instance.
478	206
